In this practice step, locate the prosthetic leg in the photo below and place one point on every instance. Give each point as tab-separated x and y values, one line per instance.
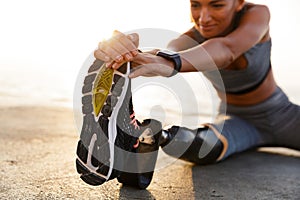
201	146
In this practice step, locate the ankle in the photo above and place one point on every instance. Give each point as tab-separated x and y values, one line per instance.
166	136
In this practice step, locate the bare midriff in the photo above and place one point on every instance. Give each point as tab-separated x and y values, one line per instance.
258	95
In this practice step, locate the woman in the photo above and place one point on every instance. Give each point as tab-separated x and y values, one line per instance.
234	36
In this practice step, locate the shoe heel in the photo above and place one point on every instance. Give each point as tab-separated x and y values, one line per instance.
147	151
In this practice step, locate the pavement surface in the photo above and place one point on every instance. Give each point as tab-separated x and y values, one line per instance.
37	161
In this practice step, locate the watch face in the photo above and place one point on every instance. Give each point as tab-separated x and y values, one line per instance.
166	52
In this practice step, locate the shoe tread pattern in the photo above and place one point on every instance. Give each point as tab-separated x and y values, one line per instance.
100	79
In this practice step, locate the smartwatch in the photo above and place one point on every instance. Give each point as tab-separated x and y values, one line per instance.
172	56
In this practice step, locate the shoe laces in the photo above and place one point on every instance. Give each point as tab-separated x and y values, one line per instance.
134	121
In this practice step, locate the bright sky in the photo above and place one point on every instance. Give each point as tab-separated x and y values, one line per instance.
53	33
53	38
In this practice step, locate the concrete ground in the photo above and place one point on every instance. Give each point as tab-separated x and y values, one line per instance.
37	161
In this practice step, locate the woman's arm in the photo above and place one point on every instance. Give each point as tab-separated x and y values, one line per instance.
185	41
214	53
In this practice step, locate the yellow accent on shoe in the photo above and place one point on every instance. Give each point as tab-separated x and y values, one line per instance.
101	88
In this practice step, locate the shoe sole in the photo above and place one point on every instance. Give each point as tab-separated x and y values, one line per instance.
104	91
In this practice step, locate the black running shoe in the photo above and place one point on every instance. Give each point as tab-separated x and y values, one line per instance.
108	123
141	164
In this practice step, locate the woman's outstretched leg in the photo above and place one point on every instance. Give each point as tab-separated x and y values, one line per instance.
211	143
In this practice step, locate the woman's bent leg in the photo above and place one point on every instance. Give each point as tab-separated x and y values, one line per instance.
286	128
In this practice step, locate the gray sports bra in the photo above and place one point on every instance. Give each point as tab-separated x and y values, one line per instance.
248	79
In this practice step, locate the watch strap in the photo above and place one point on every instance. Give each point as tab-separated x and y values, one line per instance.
172	56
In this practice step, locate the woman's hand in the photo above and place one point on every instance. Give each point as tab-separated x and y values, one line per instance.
122	48
119	49
148	64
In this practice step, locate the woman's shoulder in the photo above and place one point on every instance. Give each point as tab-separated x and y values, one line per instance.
249	5
252	9
261	9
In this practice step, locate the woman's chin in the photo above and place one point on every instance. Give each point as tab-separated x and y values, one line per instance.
206	34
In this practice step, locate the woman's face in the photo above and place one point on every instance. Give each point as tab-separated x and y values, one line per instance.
214	18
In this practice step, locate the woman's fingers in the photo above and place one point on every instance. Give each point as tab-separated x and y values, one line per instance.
134	38
120	48
101	56
126	42
104	48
